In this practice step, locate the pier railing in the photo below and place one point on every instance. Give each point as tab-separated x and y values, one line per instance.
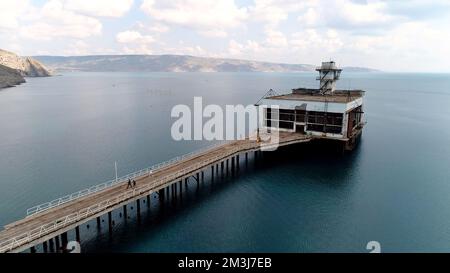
113	182
45	229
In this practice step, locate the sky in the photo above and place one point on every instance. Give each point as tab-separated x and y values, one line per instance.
403	36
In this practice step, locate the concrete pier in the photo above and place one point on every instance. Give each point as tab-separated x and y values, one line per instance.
47	225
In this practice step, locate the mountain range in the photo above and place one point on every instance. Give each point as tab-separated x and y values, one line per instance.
170	63
14	68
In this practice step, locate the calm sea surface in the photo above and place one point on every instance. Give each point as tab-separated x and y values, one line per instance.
62	134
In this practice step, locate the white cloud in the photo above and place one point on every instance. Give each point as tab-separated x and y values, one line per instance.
139	49
249	47
135	42
214	33
159	28
79	47
131	36
346	14
275	38
207	17
273	12
107	8
54	21
11	12
325	43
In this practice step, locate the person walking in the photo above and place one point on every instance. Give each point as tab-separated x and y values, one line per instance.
129	184
134	183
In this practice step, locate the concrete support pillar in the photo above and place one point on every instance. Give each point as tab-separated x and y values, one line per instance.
148	201
203	176
186	182
77	234
64	240
246	158
161	195
125	212
109	222
45	247
237	161
98	222
228	160
33	249
51	245
57	245
138	207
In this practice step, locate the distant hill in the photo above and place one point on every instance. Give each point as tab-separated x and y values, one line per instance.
26	66
359	69
166	63
9	77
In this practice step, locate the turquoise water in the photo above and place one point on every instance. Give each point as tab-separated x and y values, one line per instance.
61	134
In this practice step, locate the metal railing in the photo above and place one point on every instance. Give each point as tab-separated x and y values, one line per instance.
45	229
113	182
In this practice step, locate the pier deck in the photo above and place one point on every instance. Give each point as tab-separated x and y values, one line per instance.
47	224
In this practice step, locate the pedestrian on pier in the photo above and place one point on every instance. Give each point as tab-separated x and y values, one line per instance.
134	183
129	184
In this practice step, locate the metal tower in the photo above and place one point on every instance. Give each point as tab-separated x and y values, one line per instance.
328	75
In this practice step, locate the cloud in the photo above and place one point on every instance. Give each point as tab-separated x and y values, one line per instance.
135	42
159	28
214	33
53	21
275	38
249	47
106	8
131	36
347	14
11	12
310	39
210	18
272	12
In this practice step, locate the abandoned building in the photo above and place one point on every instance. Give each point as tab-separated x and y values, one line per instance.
324	113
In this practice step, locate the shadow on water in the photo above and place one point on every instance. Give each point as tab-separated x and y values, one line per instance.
322	162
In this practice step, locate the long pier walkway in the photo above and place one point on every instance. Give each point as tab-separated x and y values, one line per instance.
45	223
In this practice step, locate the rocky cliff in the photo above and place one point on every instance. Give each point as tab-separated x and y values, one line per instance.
27	66
10	77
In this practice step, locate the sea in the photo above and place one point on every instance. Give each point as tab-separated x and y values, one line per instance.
62	134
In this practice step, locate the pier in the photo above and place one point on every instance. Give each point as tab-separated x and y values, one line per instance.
48	224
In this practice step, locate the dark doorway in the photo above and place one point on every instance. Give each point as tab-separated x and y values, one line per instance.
300	129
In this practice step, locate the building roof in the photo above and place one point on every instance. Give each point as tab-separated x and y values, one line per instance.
304	94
